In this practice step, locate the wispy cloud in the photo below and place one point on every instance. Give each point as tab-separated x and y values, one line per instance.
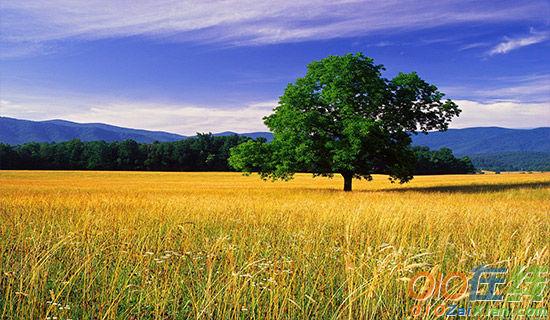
242	22
473	46
516	43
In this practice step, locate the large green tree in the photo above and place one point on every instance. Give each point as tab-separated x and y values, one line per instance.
343	117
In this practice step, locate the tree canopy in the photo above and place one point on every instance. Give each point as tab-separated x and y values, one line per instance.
343	117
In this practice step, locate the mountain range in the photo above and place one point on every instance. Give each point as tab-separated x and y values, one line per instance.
16	131
483	143
477	140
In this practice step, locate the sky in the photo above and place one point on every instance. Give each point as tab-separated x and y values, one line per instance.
212	66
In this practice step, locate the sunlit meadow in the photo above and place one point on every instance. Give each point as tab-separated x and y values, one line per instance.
129	245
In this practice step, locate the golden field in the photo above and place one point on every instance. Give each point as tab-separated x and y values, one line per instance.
138	245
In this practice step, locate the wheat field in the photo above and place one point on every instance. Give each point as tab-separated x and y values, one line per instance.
148	245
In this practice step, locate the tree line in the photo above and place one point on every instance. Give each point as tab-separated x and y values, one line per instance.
204	152
512	161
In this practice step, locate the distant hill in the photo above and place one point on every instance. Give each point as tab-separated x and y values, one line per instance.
15	131
492	140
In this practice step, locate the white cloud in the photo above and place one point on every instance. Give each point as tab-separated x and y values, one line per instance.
185	119
513	44
242	21
502	114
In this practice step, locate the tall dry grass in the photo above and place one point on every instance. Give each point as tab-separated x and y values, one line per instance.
105	245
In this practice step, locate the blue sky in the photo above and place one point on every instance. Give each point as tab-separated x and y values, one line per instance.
188	66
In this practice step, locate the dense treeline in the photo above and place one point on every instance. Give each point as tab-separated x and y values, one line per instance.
513	161
204	152
441	161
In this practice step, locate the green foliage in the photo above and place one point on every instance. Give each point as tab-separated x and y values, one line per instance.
441	161
344	117
204	152
253	156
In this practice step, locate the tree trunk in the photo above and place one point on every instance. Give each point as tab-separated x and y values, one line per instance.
348	178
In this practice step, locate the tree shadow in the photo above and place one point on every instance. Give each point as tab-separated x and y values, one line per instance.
473	188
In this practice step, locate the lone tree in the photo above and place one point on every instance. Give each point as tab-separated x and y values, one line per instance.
344	118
